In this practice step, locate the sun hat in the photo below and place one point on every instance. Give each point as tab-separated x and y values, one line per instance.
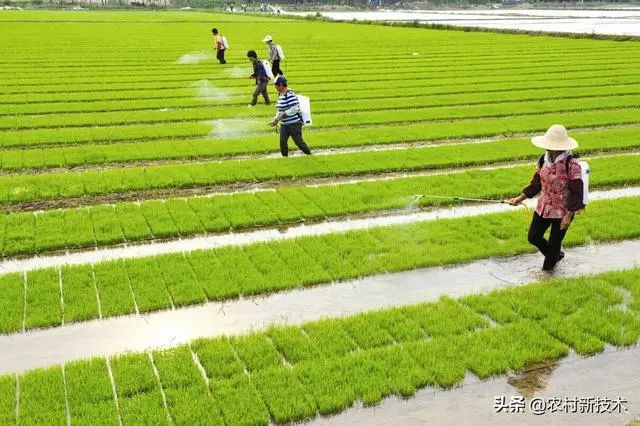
267	38
280	80
555	139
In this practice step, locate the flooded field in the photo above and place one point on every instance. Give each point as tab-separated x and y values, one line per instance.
613	22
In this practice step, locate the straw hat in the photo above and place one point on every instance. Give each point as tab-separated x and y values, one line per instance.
556	139
267	39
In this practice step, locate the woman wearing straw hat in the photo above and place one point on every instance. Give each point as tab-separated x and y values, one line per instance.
558	179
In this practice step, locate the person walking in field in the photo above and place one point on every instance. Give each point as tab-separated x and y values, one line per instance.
261	77
558	179
220	45
275	55
288	114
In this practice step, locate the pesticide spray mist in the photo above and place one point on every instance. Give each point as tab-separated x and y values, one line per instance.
233	127
207	92
194	58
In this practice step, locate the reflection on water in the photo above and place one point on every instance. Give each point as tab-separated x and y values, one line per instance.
533	379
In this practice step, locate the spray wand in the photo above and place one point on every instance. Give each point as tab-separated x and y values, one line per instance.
445	197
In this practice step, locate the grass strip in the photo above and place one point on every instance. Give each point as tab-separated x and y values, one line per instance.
435	345
288	205
230	272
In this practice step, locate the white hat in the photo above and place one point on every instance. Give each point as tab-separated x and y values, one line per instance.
556	139
267	38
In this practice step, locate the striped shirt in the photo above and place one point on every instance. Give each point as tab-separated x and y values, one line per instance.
289	105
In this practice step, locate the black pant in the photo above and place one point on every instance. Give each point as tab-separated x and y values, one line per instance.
295	131
275	68
220	56
261	89
550	249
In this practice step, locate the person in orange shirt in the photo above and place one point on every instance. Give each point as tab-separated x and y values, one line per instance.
220	44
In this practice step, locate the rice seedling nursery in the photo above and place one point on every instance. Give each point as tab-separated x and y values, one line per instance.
135	182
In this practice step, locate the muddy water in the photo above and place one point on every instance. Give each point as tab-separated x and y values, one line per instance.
611	374
410	215
19	352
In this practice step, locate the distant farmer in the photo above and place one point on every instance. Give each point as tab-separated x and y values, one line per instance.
261	77
275	55
288	114
558	179
220	44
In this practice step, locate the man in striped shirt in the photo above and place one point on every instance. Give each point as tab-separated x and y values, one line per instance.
288	114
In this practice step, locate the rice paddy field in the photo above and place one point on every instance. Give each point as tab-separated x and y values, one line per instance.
135	181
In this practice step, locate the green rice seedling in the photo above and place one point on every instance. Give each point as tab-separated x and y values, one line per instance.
293	344
89	393
184	217
627	280
435	318
495	351
19	233
147	284
285	397
177	369
325	256
303	204
285	211
180	280
331	337
490	306
256	352
208	214
399	326
50	231
239	401
441	359
143	409
159	219
259	213
106	225
43	304
608	324
278	275
306	268
193	405
113	289
133	374
11	302
569	331
217	358
8	400
213	276
250	281
42	398
404	374
366	377
232	208
132	221
186	391
365	333
79	293
95	182
327	382
138	391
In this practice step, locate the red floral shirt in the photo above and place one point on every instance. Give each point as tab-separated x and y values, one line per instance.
559	192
